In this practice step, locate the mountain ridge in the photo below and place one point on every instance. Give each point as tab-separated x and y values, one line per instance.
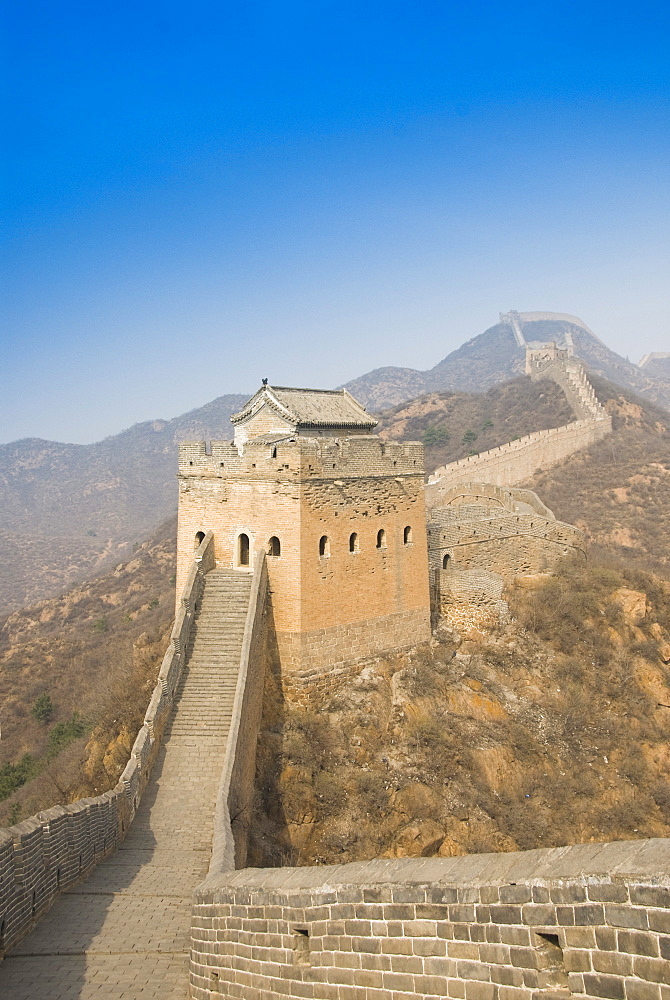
70	510
495	356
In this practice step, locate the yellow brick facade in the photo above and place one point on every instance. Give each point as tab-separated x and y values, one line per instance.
334	600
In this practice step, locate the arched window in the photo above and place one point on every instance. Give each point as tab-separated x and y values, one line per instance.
274	452
381	539
407	535
445	560
274	546
199	538
353	542
324	546
243	550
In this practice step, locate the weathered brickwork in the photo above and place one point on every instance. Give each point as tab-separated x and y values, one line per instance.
470	599
506	531
591	921
351	576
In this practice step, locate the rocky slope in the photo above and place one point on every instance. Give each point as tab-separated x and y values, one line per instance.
76	675
553	730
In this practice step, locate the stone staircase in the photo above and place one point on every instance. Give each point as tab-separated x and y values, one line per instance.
123	934
207	688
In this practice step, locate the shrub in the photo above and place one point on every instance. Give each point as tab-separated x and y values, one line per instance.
64	733
43	708
12	776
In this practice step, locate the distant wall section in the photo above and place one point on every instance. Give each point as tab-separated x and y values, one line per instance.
516	461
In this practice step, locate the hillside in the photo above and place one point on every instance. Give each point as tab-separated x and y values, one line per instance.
76	675
487	359
494	356
554	730
618	491
455	424
69	511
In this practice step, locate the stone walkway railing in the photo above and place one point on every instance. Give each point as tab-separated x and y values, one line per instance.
587	921
236	789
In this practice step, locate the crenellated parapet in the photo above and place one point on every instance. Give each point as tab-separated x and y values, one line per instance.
313	458
512	463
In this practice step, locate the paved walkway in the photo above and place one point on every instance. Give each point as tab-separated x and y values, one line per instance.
123	934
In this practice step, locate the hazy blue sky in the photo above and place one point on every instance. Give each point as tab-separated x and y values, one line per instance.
200	195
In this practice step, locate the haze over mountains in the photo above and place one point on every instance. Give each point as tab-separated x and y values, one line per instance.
71	510
495	356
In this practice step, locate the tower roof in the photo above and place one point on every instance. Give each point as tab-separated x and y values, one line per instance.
309	407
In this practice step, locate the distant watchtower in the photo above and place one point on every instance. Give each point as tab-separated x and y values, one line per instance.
339	513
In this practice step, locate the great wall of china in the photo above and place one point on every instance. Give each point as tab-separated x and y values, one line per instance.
142	892
516	461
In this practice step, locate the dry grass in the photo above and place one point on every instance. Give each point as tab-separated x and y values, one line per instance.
94	652
551	732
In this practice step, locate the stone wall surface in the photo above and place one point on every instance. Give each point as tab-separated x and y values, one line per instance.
236	789
49	853
518	460
514	462
470	598
511	545
589	921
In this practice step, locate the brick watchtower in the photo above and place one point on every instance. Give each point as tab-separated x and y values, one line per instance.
339	512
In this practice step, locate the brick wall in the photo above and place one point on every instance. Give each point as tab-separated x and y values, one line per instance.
512	544
512	463
368	595
470	598
505	531
57	848
306	655
590	921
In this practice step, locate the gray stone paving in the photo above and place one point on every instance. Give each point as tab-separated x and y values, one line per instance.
124	932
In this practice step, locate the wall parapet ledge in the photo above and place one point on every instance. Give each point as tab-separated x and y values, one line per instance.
591	920
234	796
648	859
